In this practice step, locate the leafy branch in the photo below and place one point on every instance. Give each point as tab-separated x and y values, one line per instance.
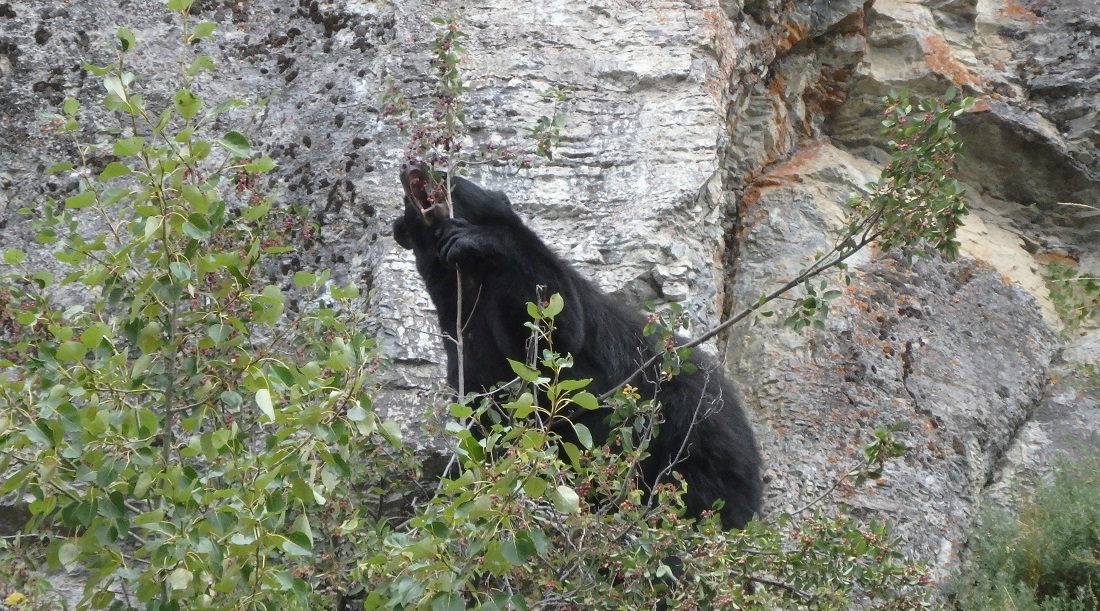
916	202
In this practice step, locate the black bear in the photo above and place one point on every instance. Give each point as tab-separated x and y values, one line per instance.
704	435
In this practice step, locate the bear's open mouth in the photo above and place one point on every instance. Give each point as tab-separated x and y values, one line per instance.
417	181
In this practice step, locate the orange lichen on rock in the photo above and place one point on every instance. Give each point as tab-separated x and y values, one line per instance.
829	92
782	174
1017	12
792	34
1059	257
937	55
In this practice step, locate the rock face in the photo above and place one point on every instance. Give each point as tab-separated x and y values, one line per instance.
709	145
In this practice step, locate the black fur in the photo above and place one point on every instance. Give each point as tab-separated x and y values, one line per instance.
502	263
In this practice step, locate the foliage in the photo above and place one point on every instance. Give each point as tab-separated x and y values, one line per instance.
22	585
439	137
178	428
916	202
1075	297
1091	373
532	520
1045	555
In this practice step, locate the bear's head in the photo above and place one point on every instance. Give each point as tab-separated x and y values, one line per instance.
425	203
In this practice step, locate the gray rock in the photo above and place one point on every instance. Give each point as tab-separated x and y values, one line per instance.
951	352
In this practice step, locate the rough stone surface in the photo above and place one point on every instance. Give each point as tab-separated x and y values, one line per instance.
953	353
708	146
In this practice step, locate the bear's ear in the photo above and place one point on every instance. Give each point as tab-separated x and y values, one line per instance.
401	233
501	198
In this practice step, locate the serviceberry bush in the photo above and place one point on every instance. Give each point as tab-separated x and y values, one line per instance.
177	431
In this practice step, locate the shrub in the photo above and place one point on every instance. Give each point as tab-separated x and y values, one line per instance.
178	431
1045	555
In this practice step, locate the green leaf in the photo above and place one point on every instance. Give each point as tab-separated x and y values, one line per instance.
202	30
535	486
301	490
113	85
522	407
556	305
460	411
179	5
14	256
255	213
272	300
219	333
200	63
586	400
67	554
301	525
198	198
565	499
70	106
152	225
64	166
187	104
512	553
232	399
196	226
571	385
180	270
263	401
199	149
180	579
538	540
448	601
583	435
149	338
141	366
16	479
128	146
70	351
297	544
94	334
83	200
224	105
149	517
351	291
303	279
392	432
524	372
97	70
263	164
236	144
125	38
114	170
574	455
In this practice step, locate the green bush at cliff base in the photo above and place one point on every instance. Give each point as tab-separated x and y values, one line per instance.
1043	557
1075	296
184	419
